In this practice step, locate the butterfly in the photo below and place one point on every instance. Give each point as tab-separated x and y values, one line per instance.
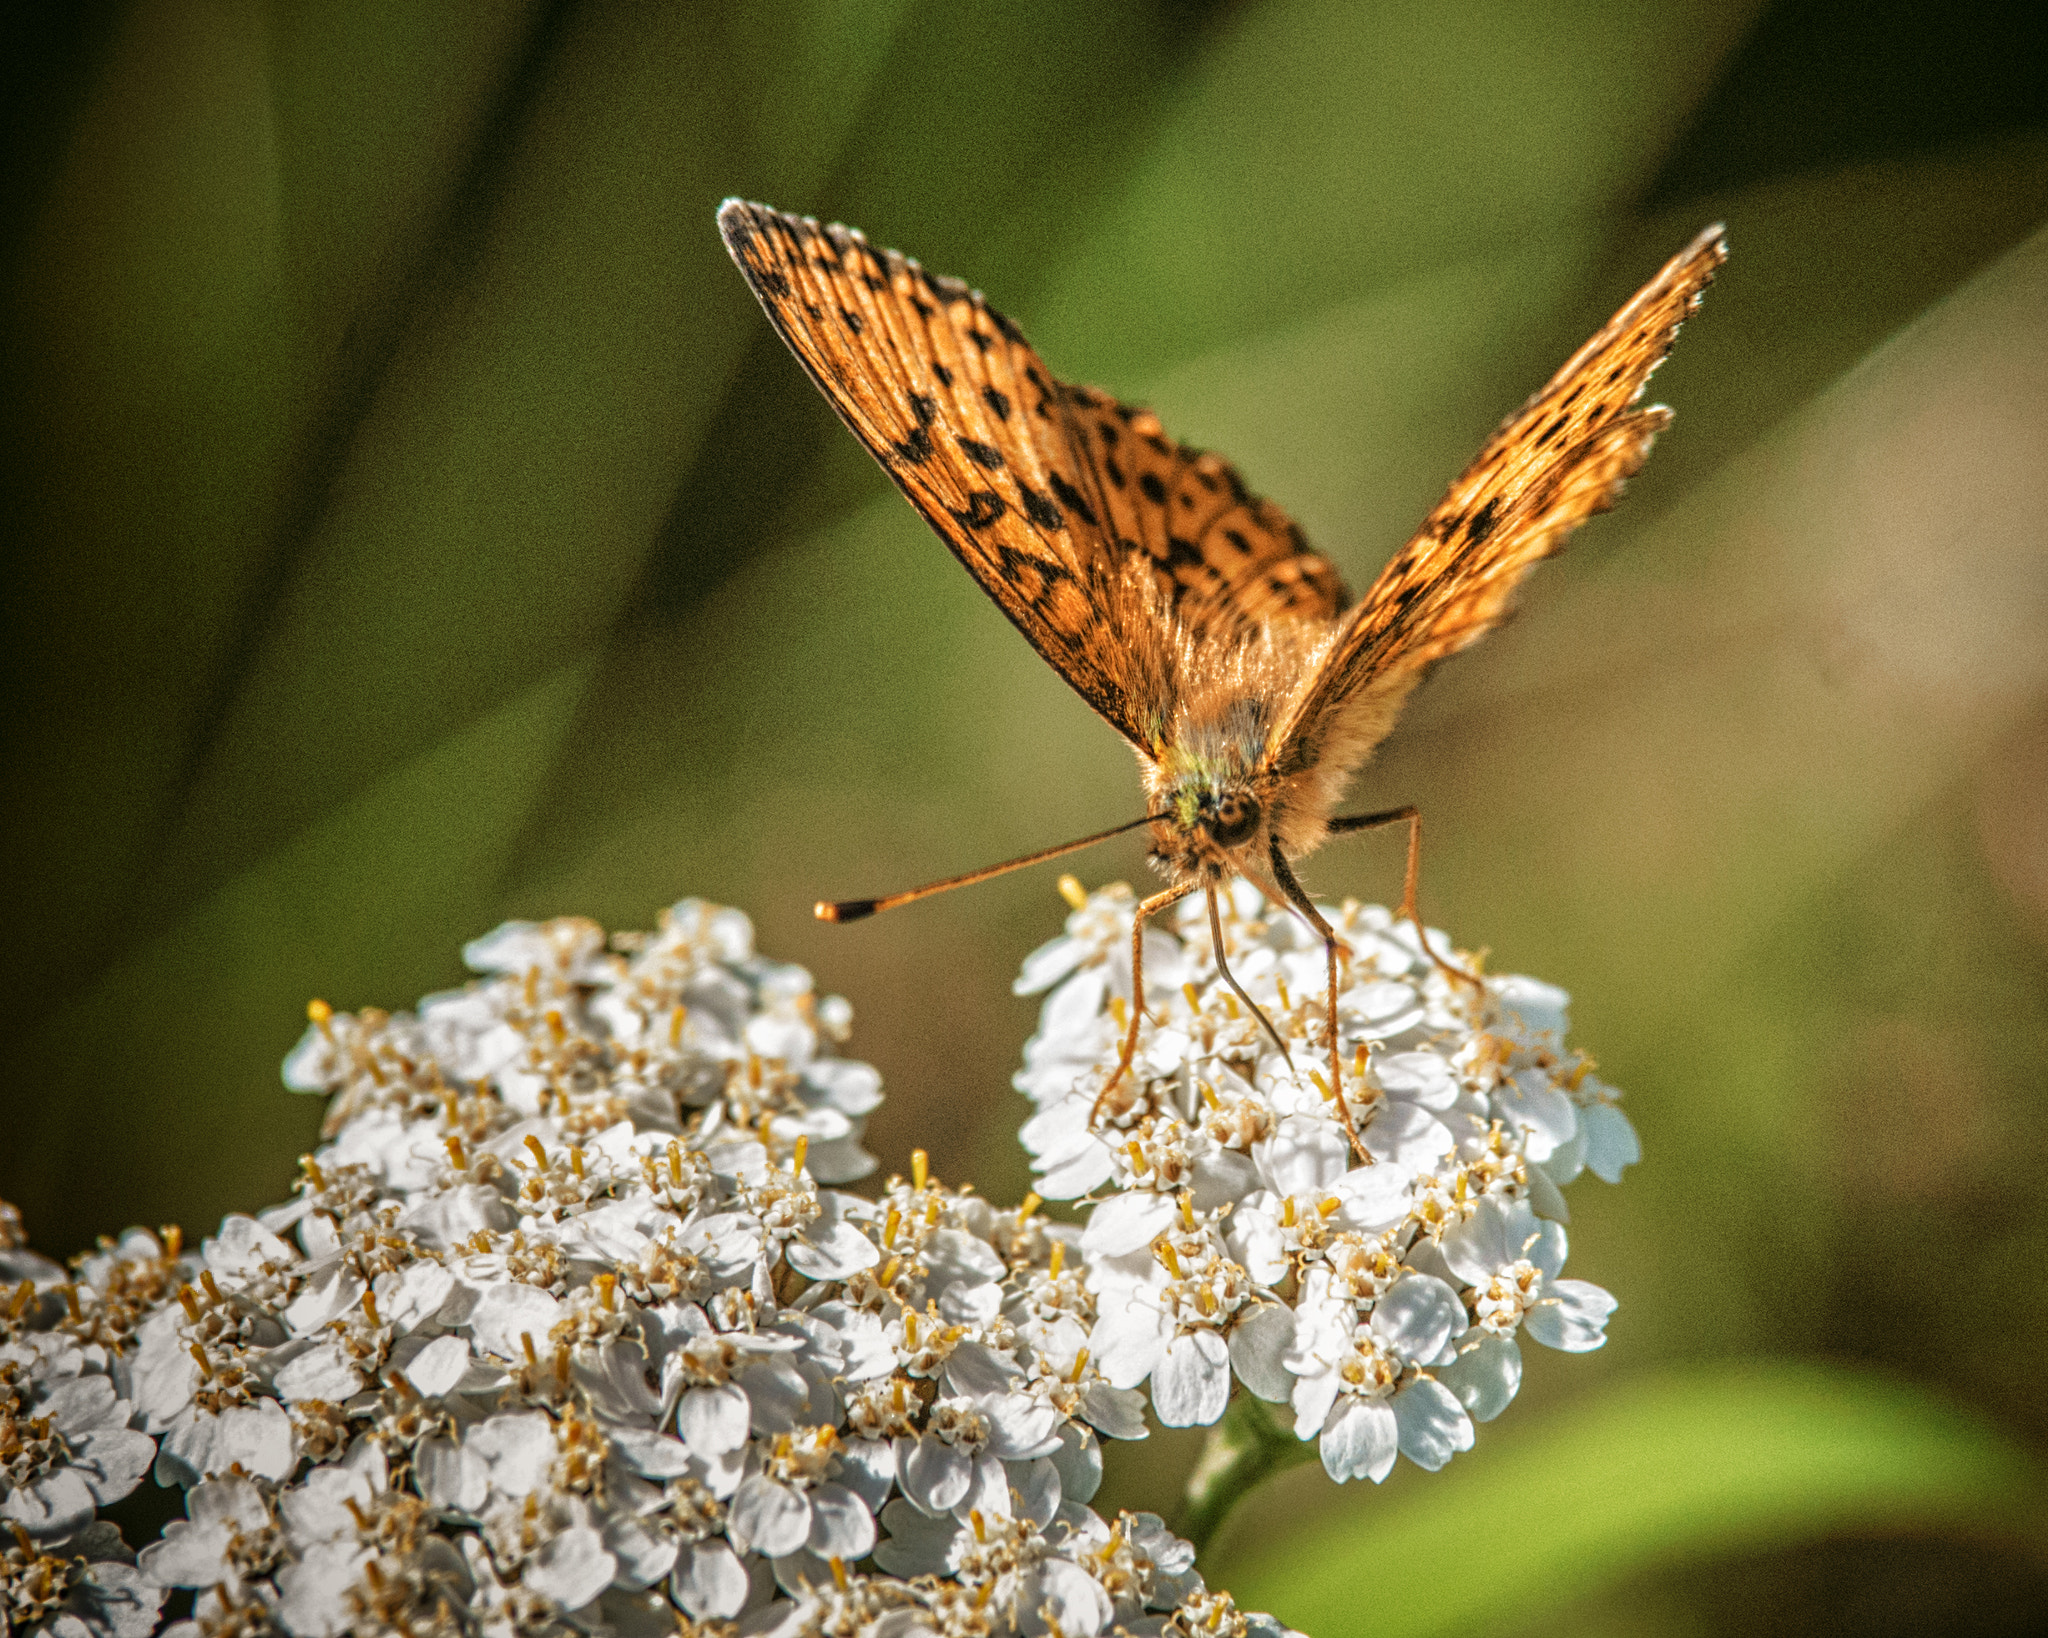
1191	614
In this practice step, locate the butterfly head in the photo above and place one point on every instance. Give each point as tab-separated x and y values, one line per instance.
1205	825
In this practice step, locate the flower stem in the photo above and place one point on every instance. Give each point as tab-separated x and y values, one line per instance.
1246	1446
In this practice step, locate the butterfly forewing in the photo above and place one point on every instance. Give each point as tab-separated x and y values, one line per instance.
1107	544
1555	462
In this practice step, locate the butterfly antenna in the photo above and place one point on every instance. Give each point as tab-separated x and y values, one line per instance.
859	909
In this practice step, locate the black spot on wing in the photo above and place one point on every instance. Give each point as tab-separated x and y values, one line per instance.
851	320
1482	522
1071	498
916	448
1040	509
924	407
998	402
984	506
774	282
1155	491
981	454
945	375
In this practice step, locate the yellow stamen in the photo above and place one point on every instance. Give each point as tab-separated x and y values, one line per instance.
321	1016
1080	1365
980	1524
526	1342
675	1163
370	1308
1187	1210
920	1168
1329	1205
800	1154
1194	997
675	1026
540	1155
458	1157
607	1291
24	1294
890	1225
839	1571
1322	1085
312	1170
754	1070
1059	1258
190	1300
1029	1204
1209	1095
1120	1010
576	1160
1073	892
1287	1212
1162	1248
1285	1004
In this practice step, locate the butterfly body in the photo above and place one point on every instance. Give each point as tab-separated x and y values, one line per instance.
1189	613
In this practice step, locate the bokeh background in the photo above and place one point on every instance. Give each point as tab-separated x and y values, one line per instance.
411	523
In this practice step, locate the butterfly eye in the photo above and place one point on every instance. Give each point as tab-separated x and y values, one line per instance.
1236	818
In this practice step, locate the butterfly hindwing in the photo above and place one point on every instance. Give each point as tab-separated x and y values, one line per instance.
1225	558
1555	462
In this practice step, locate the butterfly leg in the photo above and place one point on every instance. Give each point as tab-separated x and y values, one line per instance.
1298	897
1157	902
1410	882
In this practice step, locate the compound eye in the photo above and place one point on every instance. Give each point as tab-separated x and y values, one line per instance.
1236	818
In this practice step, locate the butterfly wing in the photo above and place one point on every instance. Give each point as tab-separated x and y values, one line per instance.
1227	560
1089	529
1558	460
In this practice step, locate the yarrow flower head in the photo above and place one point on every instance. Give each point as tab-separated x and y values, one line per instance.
1371	1264
568	1327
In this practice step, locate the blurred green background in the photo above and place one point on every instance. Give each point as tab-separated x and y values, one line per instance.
412	523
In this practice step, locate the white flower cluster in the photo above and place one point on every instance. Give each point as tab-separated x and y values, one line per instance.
1236	1229
564	1334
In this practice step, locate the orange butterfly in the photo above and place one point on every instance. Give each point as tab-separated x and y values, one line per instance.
1191	614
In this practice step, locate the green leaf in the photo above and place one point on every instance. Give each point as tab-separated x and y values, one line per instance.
1688	1465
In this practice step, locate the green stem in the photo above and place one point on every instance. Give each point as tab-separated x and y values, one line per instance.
1246	1446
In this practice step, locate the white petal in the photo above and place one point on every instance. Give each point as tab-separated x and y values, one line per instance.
1417	1316
713	1420
1360	1441
832	1253
767	1517
1035	1489
1611	1142
1433	1425
841	1525
519	1450
1191	1385
510	1312
1258	1344
1058	1596
1485	1376
1129	1337
1079	1462
436	1368
572	1569
710	1580
933	1474
1127	1222
1570	1316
